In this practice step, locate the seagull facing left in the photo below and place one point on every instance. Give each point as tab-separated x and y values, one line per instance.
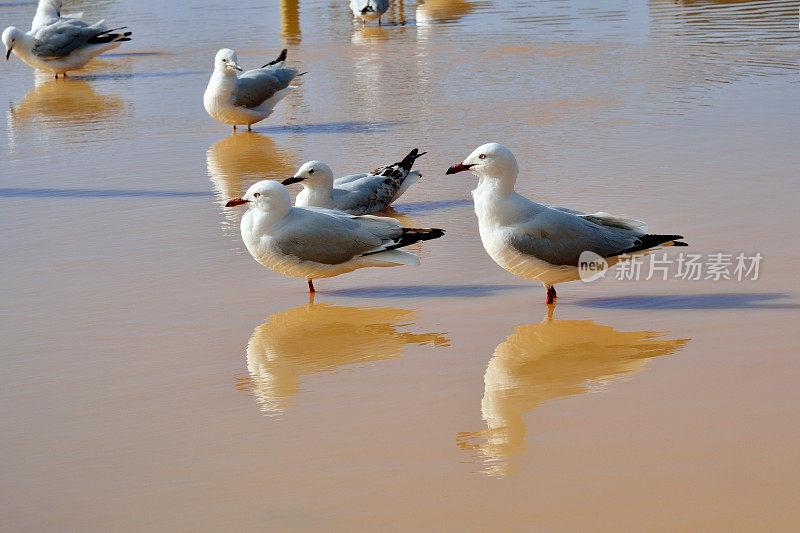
311	243
59	44
537	241
357	194
251	97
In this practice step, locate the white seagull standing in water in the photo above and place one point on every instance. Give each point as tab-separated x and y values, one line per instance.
358	194
369	10
536	241
311	243
61	44
251	97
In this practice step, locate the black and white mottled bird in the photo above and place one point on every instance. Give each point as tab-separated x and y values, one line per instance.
357	194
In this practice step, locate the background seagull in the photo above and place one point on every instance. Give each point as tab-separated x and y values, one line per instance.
63	45
368	10
536	241
48	12
251	97
311	243
357	194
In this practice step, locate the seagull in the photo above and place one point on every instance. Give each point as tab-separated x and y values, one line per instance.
48	12
369	10
537	241
251	97
311	242
63	45
358	194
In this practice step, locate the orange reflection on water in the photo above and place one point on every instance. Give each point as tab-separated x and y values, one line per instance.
322	338
552	359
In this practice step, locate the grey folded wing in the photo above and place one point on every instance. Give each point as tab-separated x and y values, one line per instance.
62	38
256	86
328	237
364	193
559	237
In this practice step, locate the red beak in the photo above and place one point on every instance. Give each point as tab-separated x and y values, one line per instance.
459	167
236	201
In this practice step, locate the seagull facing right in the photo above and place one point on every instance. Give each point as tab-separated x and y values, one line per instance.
251	97
369	10
536	241
357	194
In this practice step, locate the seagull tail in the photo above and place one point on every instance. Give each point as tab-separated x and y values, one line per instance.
410	236
108	37
280	59
408	161
651	240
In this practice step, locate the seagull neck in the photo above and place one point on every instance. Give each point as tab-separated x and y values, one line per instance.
502	186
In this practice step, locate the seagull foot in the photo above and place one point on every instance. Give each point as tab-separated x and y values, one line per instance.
311	288
551	295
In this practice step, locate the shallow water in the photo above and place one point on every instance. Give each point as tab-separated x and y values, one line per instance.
153	375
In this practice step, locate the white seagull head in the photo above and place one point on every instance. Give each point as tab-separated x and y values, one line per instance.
312	174
10	37
267	195
226	61
491	160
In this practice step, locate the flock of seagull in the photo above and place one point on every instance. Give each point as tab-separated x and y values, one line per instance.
331	228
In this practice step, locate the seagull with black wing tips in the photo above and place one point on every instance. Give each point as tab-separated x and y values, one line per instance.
369	10
61	44
312	243
248	98
357	194
541	242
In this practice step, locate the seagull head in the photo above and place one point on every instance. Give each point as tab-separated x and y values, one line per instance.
10	37
311	174
266	195
226	61
489	160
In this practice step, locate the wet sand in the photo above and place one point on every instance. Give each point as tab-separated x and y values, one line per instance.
155	376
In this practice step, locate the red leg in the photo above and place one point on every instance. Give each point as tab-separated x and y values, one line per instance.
311	286
551	295
248	128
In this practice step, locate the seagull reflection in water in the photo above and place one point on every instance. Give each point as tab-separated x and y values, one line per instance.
318	338
552	359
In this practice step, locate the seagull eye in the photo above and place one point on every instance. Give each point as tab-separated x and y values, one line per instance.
311	171
482	156
256	194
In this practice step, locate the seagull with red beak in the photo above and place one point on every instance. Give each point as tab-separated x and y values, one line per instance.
540	242
311	242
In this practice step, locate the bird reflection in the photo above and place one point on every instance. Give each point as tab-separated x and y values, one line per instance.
65	103
432	11
243	158
290	21
323	338
552	359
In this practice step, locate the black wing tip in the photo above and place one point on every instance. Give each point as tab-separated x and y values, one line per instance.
408	161
652	240
281	57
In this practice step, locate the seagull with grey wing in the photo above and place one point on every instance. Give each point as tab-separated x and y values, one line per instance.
537	241
312	243
60	44
249	98
357	194
369	10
